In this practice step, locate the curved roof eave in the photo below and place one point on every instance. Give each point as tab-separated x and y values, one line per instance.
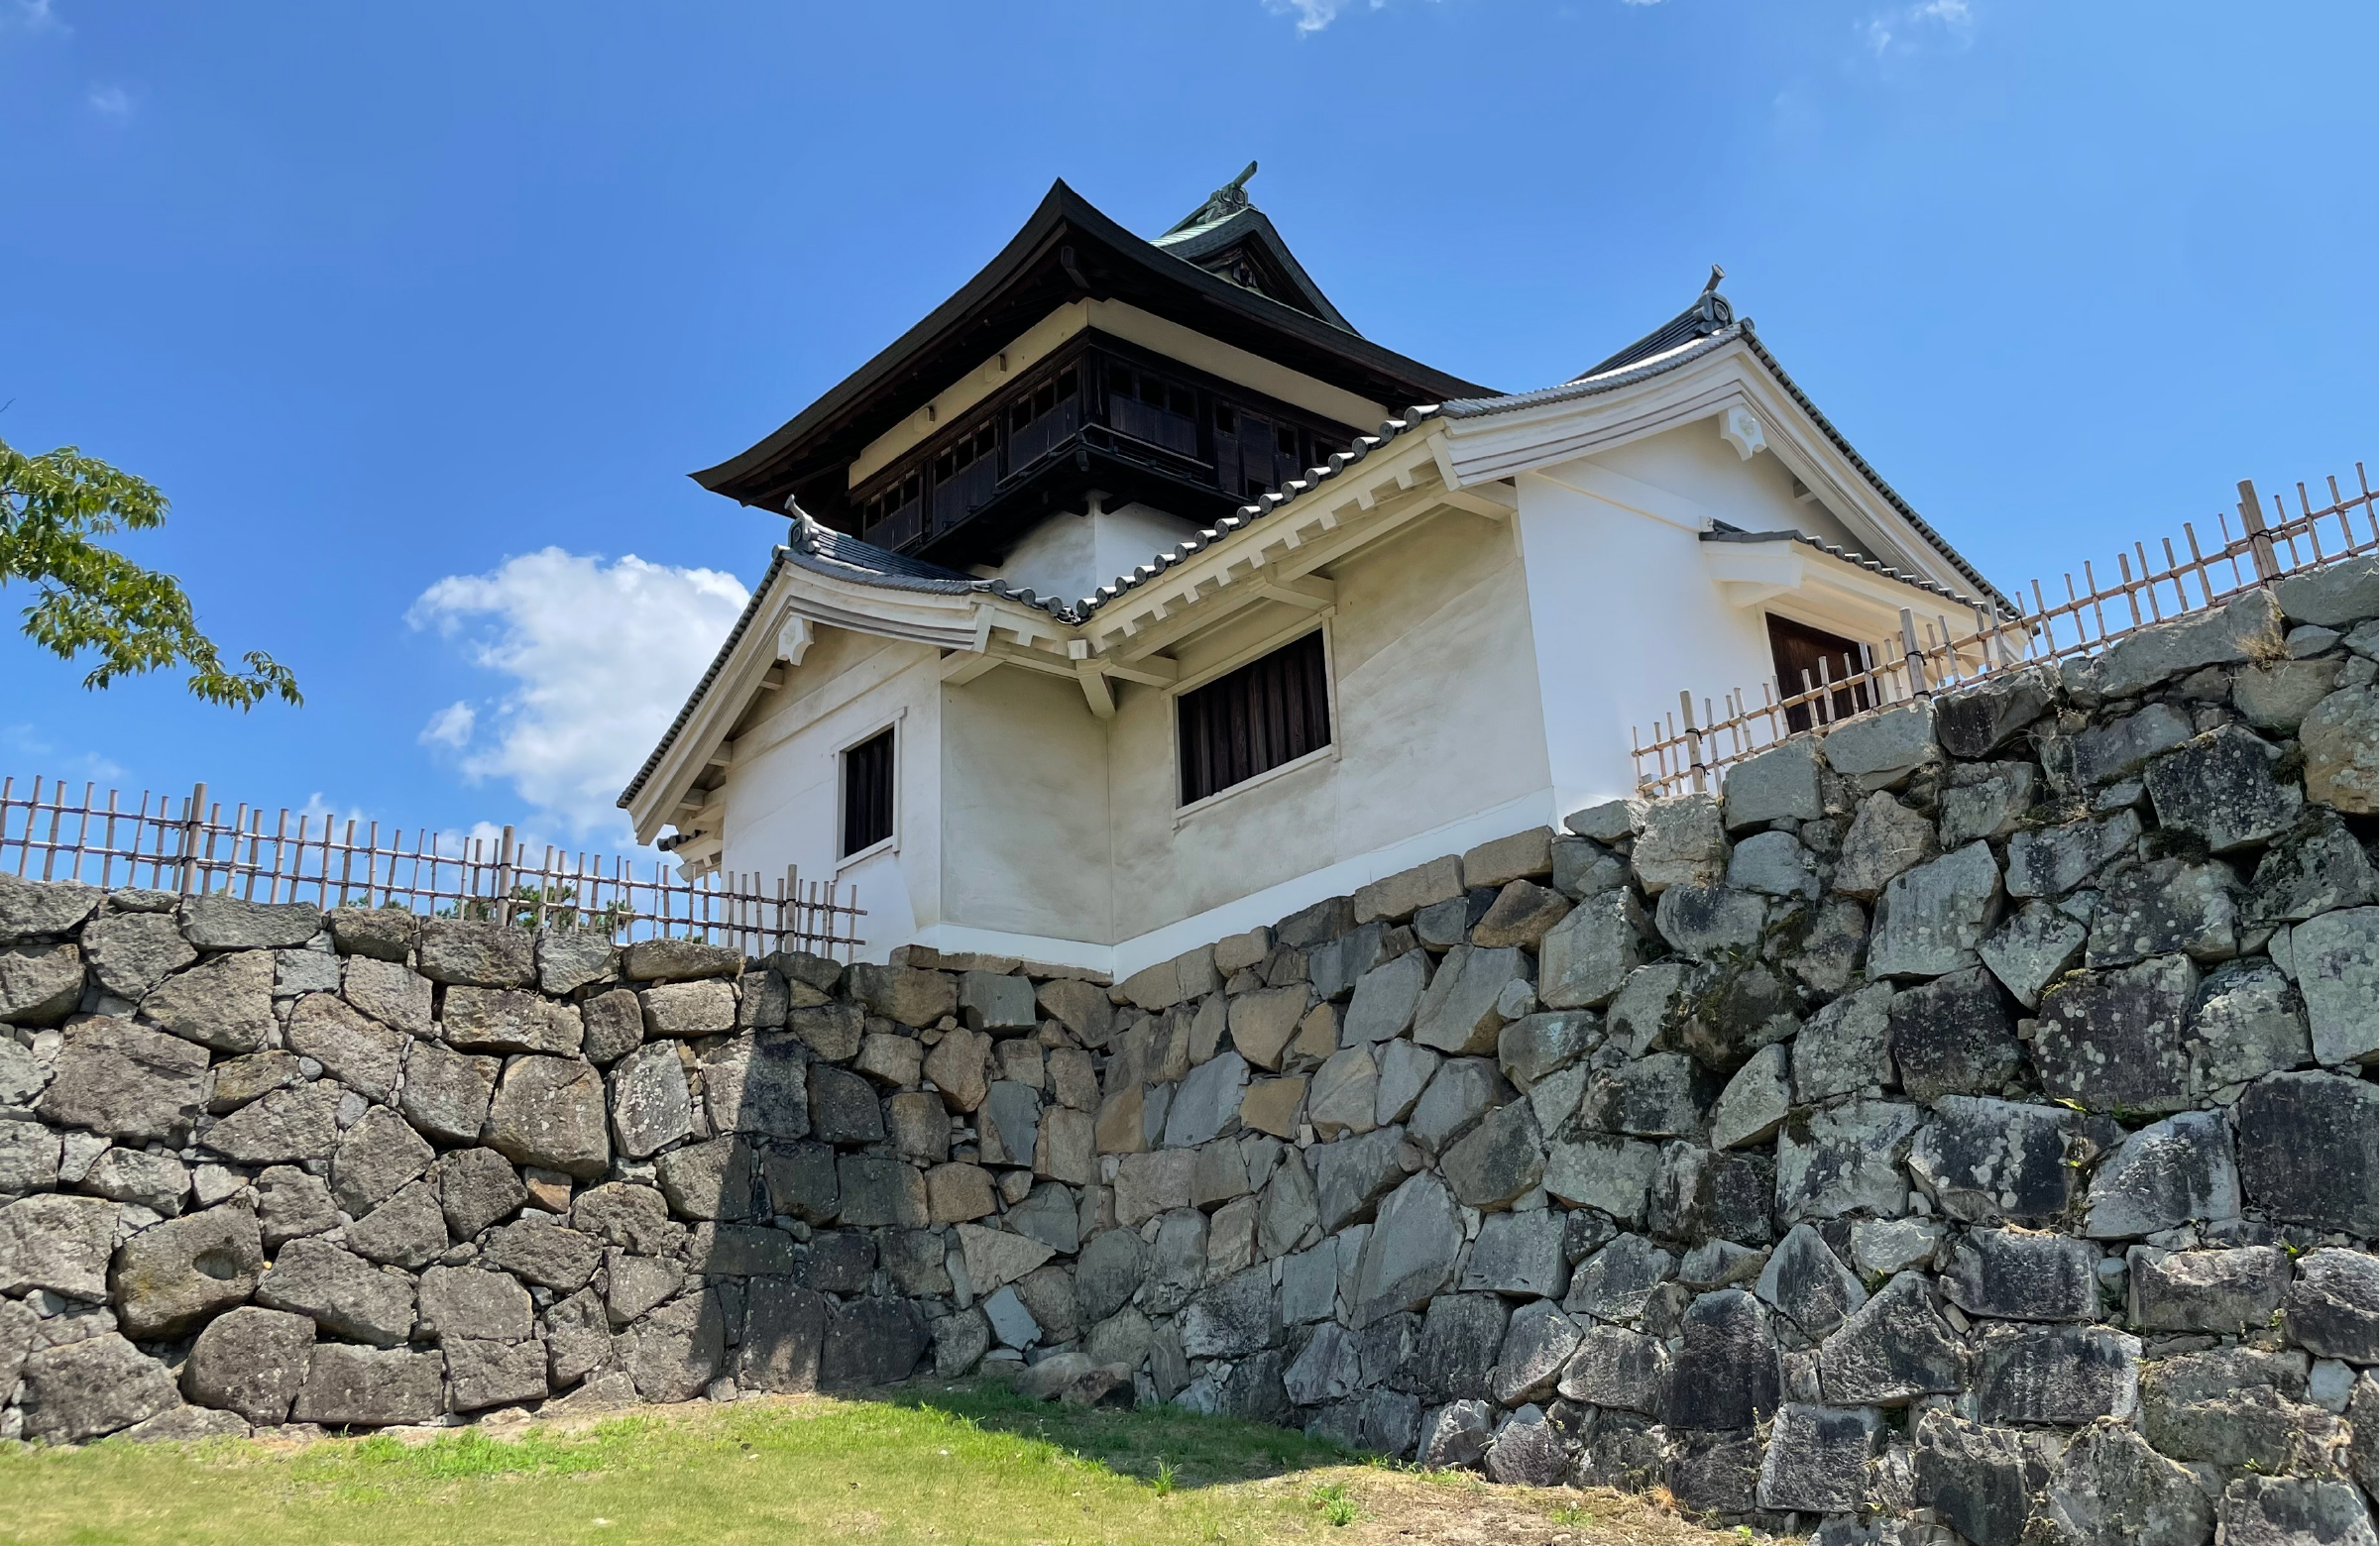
1060	210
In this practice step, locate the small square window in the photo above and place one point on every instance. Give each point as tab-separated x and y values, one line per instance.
1271	711
867	793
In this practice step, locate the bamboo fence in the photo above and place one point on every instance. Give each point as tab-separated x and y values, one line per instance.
189	848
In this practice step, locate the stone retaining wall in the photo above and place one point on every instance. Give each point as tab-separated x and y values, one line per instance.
1965	1124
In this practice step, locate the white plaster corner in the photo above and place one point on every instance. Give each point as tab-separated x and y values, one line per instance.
1740	427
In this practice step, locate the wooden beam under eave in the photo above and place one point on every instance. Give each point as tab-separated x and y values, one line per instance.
1095	690
960	666
1311	594
1148	669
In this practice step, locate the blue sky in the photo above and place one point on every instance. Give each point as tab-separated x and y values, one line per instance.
421	314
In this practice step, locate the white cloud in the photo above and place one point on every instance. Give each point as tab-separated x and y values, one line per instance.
1905	30
110	100
599	656
1314	15
31	16
450	726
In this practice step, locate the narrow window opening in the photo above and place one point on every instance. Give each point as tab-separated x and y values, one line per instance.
867	793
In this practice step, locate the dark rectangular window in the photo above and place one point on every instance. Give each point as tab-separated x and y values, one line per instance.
1269	711
1799	652
867	793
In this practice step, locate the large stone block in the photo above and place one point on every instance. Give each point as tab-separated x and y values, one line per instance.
1931	918
446	1093
2111	1489
476	954
2066	1374
1846	1158
1500	1157
2223	788
785	1337
687	1009
2022	1275
1841	1051
2164	1176
1524	856
477	1187
172	1276
366	1388
1981	1481
2163	908
1881	746
1610	1174
2287	1511
373	1158
536	1250
1462	1090
676	1351
98	1385
1779	784
1893	1349
1886	839
1809	1285
549	1112
408	1230
343	1293
1518	1254
1817	1457
285	1127
2242	628
224	1001
1460	1012
1725	1373
1619	1280
132	952
1954	1035
39	909
2309	1150
1207	1106
2232	1291
2032	949
879	1191
60	1243
1989	1162
2333	1308
2050	861
1395	898
2338	960
1678	841
1411	1251
252	1361
2113	1040
2343	766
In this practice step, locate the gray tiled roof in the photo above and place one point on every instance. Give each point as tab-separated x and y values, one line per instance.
1721	532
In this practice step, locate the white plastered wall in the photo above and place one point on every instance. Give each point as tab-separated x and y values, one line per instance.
1071	556
783	793
1627	611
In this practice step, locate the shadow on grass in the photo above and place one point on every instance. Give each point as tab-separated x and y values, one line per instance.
1161	1445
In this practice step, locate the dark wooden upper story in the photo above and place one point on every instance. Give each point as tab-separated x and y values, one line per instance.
1135	424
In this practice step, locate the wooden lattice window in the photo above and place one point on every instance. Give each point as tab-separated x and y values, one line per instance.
1271	711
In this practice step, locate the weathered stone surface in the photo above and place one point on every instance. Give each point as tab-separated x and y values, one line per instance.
1617	1368
650	1104
2333	596
1756	1101
960	1193
1881	746
1886	839
833	1032
1529	1451
158	1182
285	1126
2334	1307
1779	784
1207	1106
2222	788
2111	1040
2230	1291
612	1025
1585	960
1616	1282
904	994
1393	898
1846	1158
373	1158
1463	1091
172	1276
878	1191
1932	917
1345	1091
1698	1196
98	1385
228	922
1148	1184
350	1385
1232	1319
539	1250
342	1292
361	1054
955	1065
2031	949
2057	1374
1459	1010
2022	1275
1081	1008
2309	1150
481	1375
224	1001
28	1159
1520	1255
679	960
1809	1285
676	1349
132	952
1952	1036
476	954
549	1112
252	1361
56	1243
2053	860
2111	1489
1455	1435
1773	864
1530	1048
2162	908
1892	1349
1454	1355
1609	1174
1979	1479
1841	1051
1680	841
1724	1373
1262	1022
688	1009
2289	1511
1410	1253
1521	915
37	909
1270	1106
1500	1157
477	1187
2342	768
1989	1162
458	1302
1817	1459
2232	1407
1988	802
2338	960
2164	1175
1702	921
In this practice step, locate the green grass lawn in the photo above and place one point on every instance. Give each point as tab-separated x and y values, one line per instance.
970	1465
933	1463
